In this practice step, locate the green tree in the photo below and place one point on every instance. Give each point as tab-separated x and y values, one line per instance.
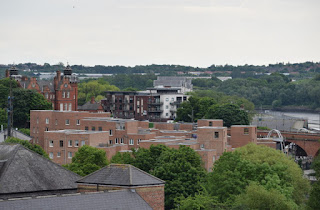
87	160
24	101
314	201
181	169
259	165
34	147
25	131
230	114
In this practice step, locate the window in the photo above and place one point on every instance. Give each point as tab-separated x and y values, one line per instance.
67	122
61	106
216	134
86	128
34	130
76	143
138	141
51	155
117	142
56	122
47	96
110	132
50	143
61	143
121	141
167	114
110	142
59	154
47	121
70	106
70	155
246	131
202	146
65	107
93	128
83	142
167	99
131	142
172	99
167	107
100	128
70	143
46	129
78	122
68	94
63	94
37	120
210	123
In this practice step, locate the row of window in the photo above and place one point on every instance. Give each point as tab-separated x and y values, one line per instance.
52	96
59	155
93	128
131	141
70	143
67	122
65	107
64	94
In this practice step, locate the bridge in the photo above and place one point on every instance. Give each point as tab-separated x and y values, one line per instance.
308	142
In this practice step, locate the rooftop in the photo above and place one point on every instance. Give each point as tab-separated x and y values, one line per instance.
71	131
121	175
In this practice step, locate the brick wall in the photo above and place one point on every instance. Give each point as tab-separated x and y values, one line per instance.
210	122
242	135
213	138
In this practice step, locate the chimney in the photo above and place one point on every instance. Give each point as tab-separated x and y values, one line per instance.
92	100
7	73
58	75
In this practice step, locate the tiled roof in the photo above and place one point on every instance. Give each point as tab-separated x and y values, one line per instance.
123	199
121	175
89	106
43	83
27	171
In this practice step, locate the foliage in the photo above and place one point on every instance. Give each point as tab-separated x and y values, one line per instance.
181	169
263	128
94	88
25	131
24	101
34	147
87	160
257	197
229	113
314	201
259	165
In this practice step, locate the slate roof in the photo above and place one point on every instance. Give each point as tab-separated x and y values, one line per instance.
121	175
123	199
27	171
89	106
43	83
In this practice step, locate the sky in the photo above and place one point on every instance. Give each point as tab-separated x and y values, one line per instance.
141	32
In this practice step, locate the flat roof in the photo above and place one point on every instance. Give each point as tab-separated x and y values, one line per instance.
108	119
209	127
71	131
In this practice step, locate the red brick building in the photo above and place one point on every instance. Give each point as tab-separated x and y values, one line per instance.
62	92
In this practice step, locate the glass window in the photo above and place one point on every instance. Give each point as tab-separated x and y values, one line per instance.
68	94
63	94
86	128
167	99
78	122
246	131
70	143
65	107
110	132
138	142
216	134
121	141
70	106
59	154
131	142
61	143
83	142
210	123
100	128
117	142
69	154
50	143
47	120
67	122
76	143
56	122
51	155
93	128
110	142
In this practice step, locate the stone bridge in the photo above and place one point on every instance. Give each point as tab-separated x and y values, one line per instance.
310	143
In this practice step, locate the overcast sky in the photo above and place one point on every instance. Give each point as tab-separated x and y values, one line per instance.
138	32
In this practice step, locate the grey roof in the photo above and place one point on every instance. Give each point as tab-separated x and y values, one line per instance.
43	83
89	106
27	171
121	175
24	84
173	81
123	199
16	134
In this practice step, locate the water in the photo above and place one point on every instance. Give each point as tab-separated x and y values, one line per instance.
313	118
286	120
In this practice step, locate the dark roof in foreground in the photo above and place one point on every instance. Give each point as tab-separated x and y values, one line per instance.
89	106
22	170
121	175
123	199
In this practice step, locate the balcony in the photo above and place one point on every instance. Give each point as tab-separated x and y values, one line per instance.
156	103
154	110
176	102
